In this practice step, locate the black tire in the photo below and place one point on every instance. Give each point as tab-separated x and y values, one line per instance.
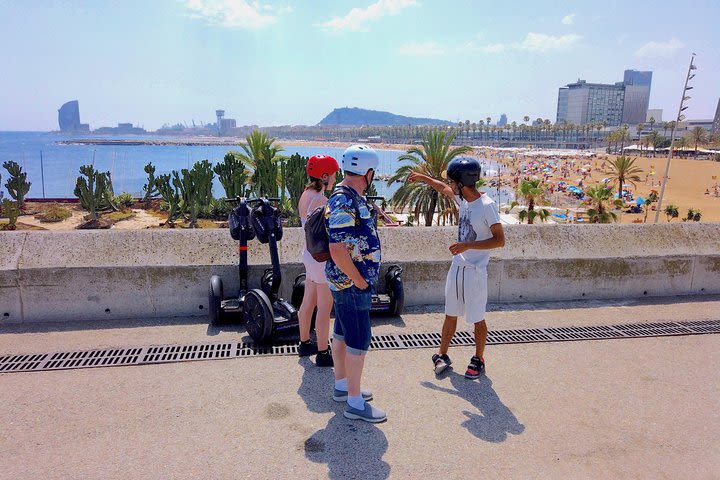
395	289
215	297
258	313
298	291
266	282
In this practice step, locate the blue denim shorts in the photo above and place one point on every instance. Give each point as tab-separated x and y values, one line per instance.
352	318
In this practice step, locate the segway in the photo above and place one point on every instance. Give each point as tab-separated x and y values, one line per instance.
249	302
282	318
391	302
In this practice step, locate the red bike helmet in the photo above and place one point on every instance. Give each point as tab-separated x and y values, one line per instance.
318	165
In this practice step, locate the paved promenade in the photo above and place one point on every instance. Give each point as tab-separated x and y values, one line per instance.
628	408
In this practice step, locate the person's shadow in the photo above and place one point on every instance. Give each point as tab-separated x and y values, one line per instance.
494	420
351	448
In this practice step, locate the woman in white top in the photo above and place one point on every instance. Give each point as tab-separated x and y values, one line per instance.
321	169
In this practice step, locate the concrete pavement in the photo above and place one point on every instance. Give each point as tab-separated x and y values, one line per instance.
631	408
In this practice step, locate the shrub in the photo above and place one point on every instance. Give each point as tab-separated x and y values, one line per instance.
54	213
124	200
11	210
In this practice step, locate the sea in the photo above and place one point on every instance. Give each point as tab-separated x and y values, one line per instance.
55	176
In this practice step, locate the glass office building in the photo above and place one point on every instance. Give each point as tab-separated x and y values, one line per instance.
716	120
613	104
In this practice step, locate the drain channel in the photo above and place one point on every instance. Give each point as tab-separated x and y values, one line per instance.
114	357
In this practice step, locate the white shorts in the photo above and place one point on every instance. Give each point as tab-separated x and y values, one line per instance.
466	292
314	270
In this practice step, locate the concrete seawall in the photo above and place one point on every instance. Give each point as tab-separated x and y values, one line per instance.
94	275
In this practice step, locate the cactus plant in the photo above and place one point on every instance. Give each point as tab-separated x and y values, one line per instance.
195	187
17	185
294	178
95	192
171	195
150	188
11	210
233	175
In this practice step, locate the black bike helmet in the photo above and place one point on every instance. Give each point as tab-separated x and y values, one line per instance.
464	170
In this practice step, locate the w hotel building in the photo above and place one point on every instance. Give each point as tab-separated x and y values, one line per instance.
622	102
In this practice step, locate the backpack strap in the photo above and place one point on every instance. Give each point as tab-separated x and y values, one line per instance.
353	196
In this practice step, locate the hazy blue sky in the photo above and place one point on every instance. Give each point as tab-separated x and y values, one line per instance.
291	62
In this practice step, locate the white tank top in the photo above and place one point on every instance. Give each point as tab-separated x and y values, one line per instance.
310	209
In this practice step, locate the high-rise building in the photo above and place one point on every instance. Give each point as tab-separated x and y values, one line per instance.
69	116
613	104
655	113
637	96
716	120
503	120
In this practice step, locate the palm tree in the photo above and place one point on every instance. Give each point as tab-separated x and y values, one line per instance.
598	195
526	118
623	170
698	135
431	158
531	191
680	144
672	212
654	138
261	155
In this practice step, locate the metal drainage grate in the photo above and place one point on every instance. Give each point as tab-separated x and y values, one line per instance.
213	351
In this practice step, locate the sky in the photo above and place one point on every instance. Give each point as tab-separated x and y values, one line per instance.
281	62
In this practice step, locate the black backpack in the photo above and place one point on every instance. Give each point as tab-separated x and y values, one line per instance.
316	235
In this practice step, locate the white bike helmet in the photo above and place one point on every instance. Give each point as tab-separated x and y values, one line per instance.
359	159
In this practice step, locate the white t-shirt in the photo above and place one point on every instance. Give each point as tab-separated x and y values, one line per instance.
476	218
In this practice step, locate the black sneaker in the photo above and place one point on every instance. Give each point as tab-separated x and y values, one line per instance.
475	368
440	363
324	359
305	349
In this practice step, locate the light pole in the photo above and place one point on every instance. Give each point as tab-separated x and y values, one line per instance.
680	117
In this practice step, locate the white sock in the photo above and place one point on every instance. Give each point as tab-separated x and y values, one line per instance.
356	402
341	384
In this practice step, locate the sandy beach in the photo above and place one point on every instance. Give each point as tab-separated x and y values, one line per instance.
688	181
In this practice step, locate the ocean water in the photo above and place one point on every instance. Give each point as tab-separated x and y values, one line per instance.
61	163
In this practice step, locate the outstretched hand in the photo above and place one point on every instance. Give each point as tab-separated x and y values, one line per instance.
416	177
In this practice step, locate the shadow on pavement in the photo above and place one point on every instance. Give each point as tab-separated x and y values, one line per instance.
493	420
351	448
316	387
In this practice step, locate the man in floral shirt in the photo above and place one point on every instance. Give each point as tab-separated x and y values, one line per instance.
352	272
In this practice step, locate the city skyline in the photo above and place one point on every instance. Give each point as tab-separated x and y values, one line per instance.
291	62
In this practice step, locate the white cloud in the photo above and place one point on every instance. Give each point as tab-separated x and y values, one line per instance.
660	49
421	49
539	42
494	48
357	18
232	13
534	42
568	19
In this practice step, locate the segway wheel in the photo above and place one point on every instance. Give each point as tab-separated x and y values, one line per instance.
298	291
258	315
266	282
393	281
215	297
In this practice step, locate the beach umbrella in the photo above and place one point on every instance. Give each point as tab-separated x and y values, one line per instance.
640	201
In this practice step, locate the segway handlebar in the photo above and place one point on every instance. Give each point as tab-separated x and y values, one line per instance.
375	199
250	200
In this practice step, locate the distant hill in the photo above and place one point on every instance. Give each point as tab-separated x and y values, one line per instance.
360	116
